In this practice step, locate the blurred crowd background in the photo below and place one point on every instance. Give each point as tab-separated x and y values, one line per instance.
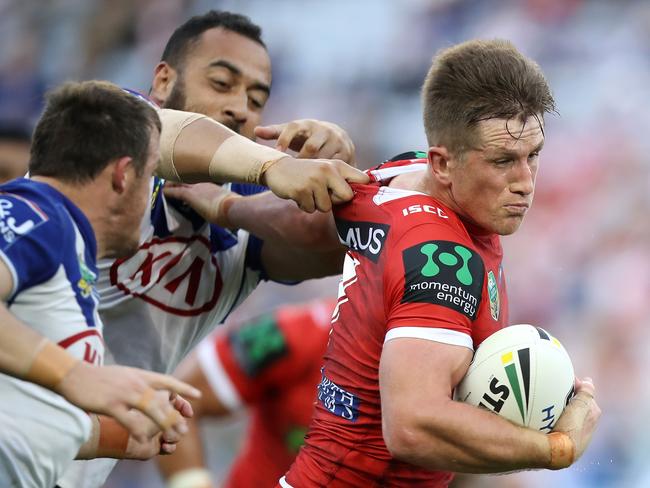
580	265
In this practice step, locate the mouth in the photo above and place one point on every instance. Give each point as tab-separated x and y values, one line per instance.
517	208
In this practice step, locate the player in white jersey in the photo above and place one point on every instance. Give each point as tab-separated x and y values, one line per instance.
188	274
84	200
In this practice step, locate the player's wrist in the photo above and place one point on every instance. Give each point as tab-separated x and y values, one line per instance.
562	450
51	365
223	219
241	159
191	478
113	439
266	166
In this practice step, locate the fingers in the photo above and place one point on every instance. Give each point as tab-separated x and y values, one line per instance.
166	449
182	406
160	410
163	382
136	429
314	145
269	132
322	199
176	190
345	153
585	386
291	136
352	175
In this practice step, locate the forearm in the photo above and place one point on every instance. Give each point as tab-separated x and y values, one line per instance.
195	148
28	355
274	219
458	437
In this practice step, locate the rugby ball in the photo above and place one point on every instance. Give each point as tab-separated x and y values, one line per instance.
522	373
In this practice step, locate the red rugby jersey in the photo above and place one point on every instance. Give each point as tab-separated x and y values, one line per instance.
272	364
413	269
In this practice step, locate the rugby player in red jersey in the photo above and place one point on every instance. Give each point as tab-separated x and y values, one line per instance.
271	365
423	286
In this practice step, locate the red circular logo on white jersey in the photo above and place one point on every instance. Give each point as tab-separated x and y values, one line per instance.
176	274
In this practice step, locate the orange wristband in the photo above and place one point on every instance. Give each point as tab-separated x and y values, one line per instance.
563	450
50	365
113	438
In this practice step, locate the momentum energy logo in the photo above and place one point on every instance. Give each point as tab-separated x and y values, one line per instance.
444	273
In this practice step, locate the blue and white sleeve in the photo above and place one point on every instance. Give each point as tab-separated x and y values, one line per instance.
30	241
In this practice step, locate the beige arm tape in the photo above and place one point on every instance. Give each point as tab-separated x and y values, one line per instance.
240	159
50	365
563	450
173	122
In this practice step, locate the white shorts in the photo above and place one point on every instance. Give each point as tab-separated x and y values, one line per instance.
40	434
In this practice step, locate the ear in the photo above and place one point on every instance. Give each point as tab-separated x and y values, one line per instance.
121	170
164	79
439	162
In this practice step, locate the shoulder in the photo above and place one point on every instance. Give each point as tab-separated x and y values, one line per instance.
28	208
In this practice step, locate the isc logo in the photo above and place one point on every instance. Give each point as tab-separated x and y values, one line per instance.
412	209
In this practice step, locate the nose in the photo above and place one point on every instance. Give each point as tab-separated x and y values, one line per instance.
236	107
523	178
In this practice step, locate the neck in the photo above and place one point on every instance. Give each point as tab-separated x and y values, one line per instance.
89	199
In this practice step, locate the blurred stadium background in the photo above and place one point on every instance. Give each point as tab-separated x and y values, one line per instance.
580	266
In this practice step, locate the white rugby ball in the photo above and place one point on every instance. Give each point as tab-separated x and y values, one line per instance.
522	373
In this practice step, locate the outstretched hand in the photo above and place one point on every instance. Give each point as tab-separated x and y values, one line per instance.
310	139
115	390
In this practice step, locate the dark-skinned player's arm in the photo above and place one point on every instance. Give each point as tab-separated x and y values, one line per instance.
195	148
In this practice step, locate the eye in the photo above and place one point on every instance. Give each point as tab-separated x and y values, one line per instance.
220	84
256	103
502	162
533	155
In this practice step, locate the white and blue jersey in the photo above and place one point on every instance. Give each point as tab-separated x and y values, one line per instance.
49	247
183	281
185	278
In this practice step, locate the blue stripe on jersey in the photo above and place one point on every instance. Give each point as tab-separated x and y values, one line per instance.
221	239
254	256
187	212
157	216
247	189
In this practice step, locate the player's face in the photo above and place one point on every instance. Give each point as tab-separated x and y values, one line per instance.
134	202
492	186
225	76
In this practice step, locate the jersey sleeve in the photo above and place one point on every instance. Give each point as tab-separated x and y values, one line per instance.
31	241
433	284
257	358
